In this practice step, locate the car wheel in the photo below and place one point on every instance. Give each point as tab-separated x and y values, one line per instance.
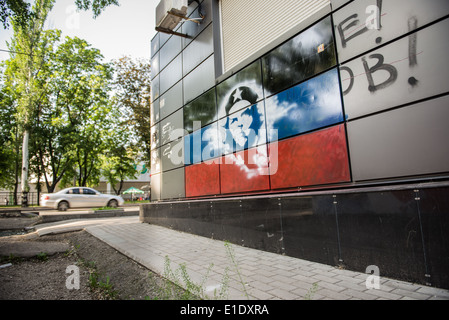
63	206
112	204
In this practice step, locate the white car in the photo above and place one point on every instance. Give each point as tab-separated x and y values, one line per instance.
79	197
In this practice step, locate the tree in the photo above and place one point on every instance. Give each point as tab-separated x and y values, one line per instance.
118	166
7	137
50	140
28	58
82	113
19	10
133	90
97	6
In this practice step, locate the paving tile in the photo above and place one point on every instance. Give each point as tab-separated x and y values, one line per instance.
304	278
257	276
260	294
384	294
359	295
415	295
325	278
282	279
284	295
435	292
330	286
351	280
303	285
352	285
300	292
282	285
261	286
332	295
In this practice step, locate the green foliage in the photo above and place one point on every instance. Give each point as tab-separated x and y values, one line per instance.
81	112
59	93
97	6
8	151
28	56
104	209
179	278
42	256
17	9
311	292
133	94
98	283
231	254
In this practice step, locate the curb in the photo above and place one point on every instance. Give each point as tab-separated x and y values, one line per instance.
89	215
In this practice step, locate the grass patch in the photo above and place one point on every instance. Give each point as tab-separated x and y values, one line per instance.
105	208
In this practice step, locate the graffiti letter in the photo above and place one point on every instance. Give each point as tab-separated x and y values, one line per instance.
379	66
351	79
342	30
412	41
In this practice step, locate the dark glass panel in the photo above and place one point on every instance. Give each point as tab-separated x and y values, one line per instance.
202	109
434	208
381	229
309	229
307	54
240	90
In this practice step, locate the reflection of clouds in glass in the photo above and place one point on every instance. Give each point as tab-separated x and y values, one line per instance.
278	111
326	95
310	40
310	105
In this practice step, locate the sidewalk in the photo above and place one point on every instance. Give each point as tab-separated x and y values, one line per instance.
266	275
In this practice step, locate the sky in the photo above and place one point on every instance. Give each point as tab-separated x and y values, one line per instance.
119	30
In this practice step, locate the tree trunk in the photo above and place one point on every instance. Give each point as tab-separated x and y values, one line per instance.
24	181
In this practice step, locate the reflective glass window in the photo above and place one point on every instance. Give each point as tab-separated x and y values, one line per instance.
307	54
